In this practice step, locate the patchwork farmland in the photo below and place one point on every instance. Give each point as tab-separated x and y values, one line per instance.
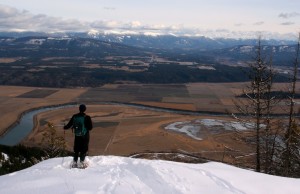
121	129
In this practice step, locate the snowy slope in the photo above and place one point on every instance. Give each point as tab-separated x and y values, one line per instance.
112	174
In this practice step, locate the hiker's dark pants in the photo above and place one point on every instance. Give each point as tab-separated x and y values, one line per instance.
81	146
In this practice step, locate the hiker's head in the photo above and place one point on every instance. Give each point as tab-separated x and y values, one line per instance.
82	108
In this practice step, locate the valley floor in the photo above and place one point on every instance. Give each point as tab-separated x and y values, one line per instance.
126	130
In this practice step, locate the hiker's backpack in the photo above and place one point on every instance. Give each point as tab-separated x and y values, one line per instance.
78	125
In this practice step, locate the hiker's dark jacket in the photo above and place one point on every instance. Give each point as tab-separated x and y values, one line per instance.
81	143
87	122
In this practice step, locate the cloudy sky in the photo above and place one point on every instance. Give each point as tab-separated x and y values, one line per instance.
276	18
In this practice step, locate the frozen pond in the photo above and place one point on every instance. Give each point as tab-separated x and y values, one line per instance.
201	128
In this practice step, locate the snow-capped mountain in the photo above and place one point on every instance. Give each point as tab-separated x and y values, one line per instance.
178	48
180	42
274	49
282	55
42	46
119	175
169	42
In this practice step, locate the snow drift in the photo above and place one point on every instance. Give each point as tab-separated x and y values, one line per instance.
120	175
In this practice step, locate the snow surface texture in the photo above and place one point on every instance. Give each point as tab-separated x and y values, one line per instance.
3	157
120	175
193	128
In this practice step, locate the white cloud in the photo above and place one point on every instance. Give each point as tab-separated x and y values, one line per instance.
6	12
259	23
289	15
12	19
109	8
135	24
103	24
287	23
238	24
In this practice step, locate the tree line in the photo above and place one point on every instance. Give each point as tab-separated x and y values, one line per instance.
276	140
14	158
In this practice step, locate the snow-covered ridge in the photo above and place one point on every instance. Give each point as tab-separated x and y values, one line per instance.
3	157
120	175
35	41
246	49
151	40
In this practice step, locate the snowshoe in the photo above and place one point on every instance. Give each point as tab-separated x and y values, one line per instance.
82	165
74	165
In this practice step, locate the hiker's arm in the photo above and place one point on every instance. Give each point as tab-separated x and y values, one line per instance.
69	125
88	123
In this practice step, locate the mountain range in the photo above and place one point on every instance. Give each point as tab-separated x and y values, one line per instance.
158	42
109	58
186	48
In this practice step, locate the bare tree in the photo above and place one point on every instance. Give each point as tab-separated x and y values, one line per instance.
291	155
277	141
258	106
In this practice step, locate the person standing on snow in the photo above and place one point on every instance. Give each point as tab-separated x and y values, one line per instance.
81	125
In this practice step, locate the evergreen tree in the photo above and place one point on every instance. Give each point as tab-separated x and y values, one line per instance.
54	145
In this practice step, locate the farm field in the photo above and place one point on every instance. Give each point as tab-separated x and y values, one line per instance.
120	129
15	100
124	130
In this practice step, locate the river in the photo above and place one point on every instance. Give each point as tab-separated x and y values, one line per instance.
24	126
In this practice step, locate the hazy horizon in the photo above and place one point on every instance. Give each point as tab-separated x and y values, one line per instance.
233	18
